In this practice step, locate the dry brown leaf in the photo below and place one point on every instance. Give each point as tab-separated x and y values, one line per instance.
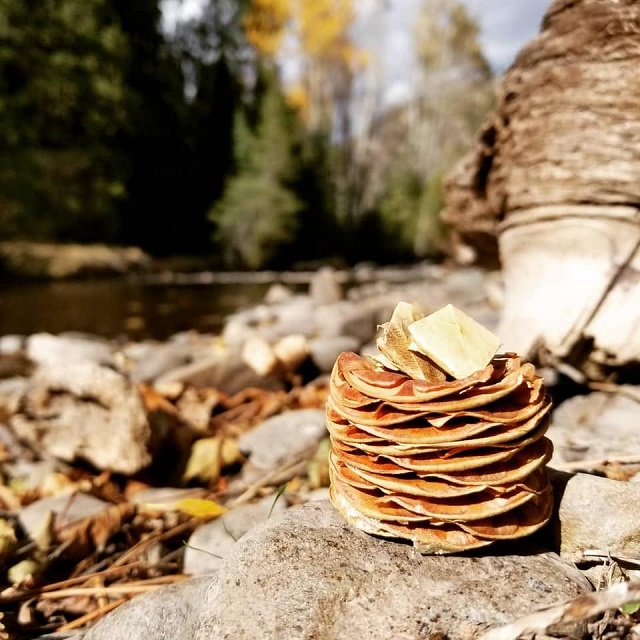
197	405
394	345
93	532
291	351
579	609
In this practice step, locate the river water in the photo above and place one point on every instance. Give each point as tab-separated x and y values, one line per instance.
125	308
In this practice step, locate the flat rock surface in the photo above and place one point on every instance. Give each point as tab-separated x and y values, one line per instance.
597	426
211	543
68	509
283	437
598	514
307	575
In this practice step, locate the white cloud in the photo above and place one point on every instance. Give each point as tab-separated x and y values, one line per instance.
505	27
174	11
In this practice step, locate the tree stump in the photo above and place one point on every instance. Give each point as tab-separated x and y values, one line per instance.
553	187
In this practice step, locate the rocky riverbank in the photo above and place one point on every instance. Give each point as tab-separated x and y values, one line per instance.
195	470
33	260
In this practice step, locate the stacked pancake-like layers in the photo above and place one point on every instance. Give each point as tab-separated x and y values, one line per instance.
452	465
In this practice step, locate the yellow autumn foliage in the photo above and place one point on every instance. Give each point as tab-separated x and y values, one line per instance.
298	98
264	24
323	26
319	27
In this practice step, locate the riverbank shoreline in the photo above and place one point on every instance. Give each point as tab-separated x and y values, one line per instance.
25	261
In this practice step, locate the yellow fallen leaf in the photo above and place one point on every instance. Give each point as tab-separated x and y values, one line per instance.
23	571
394	345
454	341
200	507
8	538
209	456
196	507
318	467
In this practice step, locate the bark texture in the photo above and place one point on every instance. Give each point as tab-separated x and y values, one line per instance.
553	187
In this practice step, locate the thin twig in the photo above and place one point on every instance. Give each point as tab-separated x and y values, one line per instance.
577	465
63	584
623	390
577	610
285	472
138	586
92	615
142	545
600	553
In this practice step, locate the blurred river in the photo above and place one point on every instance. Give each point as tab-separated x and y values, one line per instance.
119	308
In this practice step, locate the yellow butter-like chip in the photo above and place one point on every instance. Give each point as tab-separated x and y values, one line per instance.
454	341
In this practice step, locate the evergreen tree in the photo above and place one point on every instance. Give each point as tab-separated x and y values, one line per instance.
63	104
187	91
258	213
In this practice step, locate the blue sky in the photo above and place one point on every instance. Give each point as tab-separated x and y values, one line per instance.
387	28
506	26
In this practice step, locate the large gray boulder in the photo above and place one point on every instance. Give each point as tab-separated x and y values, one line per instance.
82	410
307	574
597	514
597	427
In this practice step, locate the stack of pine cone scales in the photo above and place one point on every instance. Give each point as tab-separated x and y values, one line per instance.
450	463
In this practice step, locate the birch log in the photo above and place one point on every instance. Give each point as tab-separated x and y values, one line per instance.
554	182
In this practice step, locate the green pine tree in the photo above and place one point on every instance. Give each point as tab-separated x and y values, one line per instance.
63	104
258	213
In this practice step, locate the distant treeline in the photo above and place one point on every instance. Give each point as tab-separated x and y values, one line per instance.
186	141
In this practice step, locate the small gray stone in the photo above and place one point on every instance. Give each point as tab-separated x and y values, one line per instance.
69	508
213	541
224	371
598	426
348	319
321	493
325	350
11	343
598	513
277	293
47	349
324	287
465	286
283	437
159	360
292	316
30	474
